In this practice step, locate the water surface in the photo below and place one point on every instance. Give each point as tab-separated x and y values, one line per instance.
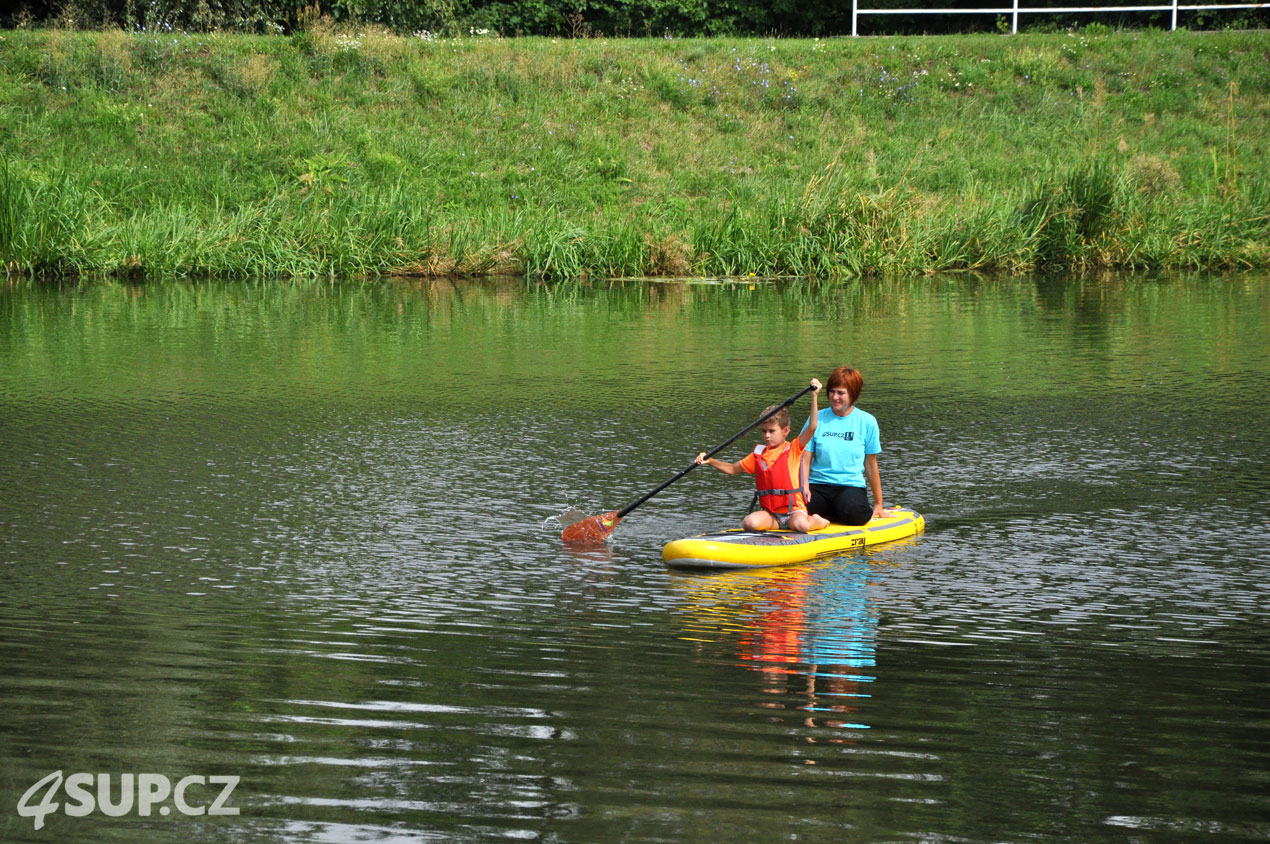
303	534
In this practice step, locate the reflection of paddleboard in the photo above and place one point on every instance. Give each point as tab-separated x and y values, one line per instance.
739	549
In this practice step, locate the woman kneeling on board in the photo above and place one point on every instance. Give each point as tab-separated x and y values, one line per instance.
774	465
841	455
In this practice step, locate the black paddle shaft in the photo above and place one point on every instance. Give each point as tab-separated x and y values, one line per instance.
629	507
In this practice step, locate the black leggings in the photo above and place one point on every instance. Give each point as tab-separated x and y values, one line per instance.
845	505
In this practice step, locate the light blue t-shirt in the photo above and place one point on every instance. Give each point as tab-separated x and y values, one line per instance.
839	445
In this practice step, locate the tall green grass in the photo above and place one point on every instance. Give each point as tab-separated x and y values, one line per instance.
358	153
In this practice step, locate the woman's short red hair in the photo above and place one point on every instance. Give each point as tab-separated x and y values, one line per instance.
845	376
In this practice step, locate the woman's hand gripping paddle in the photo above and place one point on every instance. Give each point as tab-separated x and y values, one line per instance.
597	528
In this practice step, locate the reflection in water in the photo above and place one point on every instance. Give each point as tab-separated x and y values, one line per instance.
809	631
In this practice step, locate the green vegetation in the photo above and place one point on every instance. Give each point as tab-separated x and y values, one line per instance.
359	152
586	18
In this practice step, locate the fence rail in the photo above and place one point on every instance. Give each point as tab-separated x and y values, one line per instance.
1016	10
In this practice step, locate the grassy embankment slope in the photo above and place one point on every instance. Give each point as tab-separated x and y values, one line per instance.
364	153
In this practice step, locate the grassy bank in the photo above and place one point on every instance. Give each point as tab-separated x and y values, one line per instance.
362	153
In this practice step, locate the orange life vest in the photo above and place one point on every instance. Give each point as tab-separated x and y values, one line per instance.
777	484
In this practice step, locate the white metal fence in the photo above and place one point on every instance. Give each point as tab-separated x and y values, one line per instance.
1015	10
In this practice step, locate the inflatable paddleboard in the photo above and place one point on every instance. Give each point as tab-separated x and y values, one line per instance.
743	549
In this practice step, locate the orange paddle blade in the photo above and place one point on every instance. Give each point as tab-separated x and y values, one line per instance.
592	529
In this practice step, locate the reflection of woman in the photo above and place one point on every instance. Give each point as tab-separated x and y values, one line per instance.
840	649
842	456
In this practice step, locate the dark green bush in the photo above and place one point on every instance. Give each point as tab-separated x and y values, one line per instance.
580	18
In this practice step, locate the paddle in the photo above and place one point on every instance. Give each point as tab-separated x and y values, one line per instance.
598	528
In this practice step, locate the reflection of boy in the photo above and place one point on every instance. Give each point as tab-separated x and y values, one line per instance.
774	465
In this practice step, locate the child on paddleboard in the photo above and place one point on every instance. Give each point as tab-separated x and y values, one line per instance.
774	464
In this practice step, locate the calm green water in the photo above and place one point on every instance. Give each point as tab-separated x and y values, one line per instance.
303	535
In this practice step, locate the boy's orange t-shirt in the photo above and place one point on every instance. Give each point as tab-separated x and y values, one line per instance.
795	455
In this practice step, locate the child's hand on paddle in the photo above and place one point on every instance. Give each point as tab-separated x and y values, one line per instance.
701	459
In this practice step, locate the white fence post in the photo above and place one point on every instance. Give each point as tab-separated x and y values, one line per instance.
1175	14
1014	22
855	4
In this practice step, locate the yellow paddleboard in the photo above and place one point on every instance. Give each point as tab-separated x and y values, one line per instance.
742	549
